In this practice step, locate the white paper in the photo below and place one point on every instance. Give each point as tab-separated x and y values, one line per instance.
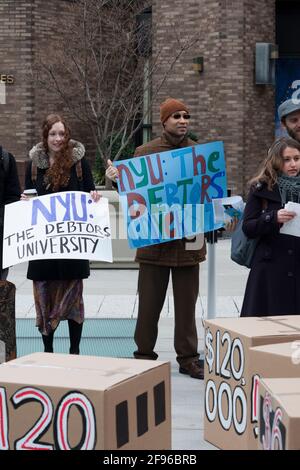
65	225
293	226
220	213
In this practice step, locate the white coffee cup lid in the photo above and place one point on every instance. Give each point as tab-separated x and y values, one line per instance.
30	191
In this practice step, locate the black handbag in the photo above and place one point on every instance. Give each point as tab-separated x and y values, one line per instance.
242	247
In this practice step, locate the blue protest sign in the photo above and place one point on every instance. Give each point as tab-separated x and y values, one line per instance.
168	195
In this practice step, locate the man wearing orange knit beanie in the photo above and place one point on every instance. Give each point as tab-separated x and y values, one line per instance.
156	262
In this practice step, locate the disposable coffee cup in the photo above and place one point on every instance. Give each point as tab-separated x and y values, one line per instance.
30	193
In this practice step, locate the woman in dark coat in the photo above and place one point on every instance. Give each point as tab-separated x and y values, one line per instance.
58	164
274	279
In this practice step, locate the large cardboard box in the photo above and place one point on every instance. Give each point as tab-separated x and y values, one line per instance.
279	414
232	375
57	401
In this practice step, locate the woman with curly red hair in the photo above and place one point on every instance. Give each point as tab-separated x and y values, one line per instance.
58	164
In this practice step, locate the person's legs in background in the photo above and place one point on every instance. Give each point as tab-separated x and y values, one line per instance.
56	301
48	342
152	288
75	330
186	289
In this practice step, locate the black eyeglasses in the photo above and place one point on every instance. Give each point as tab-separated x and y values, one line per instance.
179	116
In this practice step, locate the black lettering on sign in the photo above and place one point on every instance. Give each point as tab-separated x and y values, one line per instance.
122	423
142	413
159	403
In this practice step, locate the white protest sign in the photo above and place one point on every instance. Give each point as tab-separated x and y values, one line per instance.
66	225
293	226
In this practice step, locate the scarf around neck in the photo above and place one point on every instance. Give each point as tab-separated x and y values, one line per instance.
174	140
289	188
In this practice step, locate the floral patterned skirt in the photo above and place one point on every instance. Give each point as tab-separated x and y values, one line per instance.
56	301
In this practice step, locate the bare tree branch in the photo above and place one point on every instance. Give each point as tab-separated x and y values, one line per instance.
96	66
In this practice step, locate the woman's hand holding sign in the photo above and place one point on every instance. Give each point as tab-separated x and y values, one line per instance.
95	195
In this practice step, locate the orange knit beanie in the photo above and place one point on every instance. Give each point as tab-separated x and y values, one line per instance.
170	106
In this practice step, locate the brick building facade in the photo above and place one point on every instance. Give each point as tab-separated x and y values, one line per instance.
24	24
225	102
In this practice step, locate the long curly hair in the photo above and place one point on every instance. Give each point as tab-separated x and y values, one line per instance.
273	164
58	174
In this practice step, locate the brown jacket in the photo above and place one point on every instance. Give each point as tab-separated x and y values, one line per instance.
169	253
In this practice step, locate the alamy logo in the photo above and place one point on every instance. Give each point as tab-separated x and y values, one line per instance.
296	94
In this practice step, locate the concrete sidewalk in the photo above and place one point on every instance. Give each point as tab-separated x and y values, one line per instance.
111	293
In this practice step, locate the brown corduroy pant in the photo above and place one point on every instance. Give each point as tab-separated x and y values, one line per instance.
152	286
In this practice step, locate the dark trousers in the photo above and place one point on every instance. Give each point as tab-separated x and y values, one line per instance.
75	330
152	286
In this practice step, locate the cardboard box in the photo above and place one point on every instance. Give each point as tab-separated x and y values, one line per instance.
232	375
59	401
279	414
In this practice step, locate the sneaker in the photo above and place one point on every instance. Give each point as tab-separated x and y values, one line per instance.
194	370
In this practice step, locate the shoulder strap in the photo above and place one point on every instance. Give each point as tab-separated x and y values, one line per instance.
79	170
